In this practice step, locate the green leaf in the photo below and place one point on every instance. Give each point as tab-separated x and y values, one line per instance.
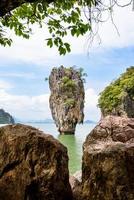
67	47
50	43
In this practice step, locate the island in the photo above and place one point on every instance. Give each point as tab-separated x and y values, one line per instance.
67	98
6	118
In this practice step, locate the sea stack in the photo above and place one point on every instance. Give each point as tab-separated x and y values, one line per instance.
67	98
5	118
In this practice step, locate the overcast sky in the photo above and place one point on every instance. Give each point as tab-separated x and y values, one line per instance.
24	66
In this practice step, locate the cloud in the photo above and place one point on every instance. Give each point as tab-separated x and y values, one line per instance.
123	19
18	75
37	107
92	112
4	85
24	106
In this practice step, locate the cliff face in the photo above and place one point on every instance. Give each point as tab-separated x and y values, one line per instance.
118	98
5	118
66	99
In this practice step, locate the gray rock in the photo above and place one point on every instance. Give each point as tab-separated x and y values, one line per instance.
67	98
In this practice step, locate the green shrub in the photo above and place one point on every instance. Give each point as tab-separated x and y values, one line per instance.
69	102
112	95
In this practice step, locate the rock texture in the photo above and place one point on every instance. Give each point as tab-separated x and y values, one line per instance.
108	161
127	106
75	182
125	109
67	98
33	165
5	118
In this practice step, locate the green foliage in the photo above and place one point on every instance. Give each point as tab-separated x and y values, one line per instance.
68	84
69	102
82	74
111	97
46	78
60	17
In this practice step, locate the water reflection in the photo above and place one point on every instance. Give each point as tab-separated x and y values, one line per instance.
74	151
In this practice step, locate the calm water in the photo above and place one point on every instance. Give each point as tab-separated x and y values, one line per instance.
72	142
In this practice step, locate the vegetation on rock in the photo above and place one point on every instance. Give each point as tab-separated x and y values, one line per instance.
5	118
112	97
67	98
68	85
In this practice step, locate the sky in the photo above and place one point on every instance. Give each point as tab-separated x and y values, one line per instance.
23	67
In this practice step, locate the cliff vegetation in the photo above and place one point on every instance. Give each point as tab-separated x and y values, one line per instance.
116	97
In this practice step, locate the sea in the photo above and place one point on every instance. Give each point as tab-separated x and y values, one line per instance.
73	143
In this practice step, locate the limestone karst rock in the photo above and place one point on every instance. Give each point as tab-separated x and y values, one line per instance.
5	118
108	161
33	165
67	98
118	98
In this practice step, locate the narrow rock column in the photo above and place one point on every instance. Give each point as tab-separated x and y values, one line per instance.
67	98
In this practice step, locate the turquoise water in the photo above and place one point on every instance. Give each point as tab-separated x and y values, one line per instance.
72	142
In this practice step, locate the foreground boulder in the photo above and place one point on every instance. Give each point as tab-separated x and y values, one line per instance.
33	165
75	182
67	98
108	161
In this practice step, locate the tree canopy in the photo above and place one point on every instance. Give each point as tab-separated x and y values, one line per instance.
61	17
113	94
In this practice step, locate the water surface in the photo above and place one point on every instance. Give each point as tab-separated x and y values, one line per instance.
72	142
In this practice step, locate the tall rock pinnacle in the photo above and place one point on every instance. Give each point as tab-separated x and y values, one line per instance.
67	98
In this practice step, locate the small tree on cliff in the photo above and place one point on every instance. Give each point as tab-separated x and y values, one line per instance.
61	17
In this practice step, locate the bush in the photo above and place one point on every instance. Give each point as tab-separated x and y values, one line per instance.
112	95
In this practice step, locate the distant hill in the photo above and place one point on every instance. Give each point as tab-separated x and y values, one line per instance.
47	121
89	122
6	118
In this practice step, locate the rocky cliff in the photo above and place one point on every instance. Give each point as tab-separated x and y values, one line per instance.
118	97
33	165
67	98
108	161
5	118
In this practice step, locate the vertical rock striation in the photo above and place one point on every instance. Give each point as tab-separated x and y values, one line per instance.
67	98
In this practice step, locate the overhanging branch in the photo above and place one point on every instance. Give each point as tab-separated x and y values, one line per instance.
8	5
